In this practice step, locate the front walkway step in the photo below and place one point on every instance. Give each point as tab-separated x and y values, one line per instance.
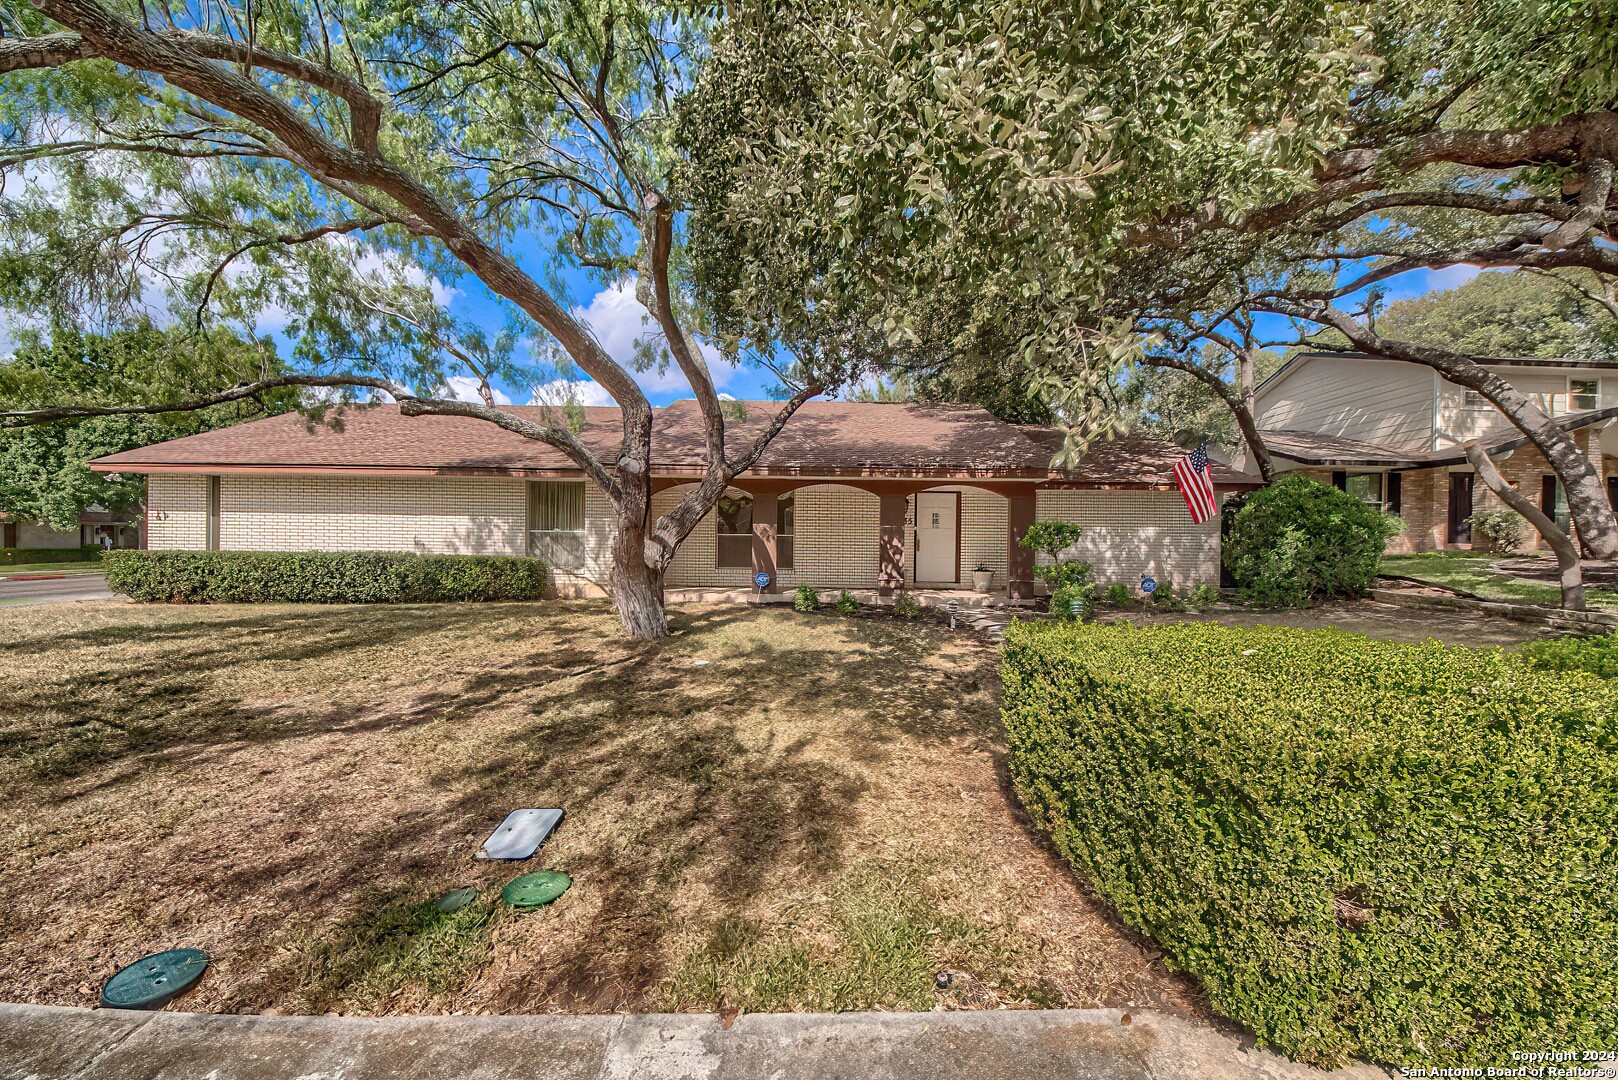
1078	1044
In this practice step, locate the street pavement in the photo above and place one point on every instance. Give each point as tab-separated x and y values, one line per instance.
63	589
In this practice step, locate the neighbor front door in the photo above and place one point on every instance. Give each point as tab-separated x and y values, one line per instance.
937	538
1460	509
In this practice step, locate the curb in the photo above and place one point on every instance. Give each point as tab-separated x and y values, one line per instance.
1072	1044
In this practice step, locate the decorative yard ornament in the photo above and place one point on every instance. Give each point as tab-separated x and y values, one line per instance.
1148	585
954	608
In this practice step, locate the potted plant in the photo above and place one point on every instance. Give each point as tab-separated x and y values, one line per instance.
982	578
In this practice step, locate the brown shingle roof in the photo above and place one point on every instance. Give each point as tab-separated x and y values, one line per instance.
823	438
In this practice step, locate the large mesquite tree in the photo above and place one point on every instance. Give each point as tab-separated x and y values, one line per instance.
336	161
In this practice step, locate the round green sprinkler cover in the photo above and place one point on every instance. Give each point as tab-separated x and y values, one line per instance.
153	981
455	900
535	890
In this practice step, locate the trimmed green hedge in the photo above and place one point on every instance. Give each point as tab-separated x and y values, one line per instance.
1405	853
320	577
1597	655
23	556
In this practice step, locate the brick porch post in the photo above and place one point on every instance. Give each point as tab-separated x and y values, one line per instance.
1019	560
891	516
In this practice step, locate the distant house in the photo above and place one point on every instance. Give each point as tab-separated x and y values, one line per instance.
1391	433
848	495
97	528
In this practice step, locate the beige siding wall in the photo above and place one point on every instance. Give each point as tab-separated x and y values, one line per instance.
1376	401
1131	533
177	513
1458	421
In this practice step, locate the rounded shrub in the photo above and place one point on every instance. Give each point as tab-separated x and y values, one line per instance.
1397	852
1299	540
807	598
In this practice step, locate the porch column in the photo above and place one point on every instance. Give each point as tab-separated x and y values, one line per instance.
1019	560
891	575
766	522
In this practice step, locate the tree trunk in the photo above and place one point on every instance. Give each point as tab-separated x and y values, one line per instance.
637	589
1567	556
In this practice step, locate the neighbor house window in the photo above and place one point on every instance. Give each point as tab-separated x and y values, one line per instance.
735	516
1366	487
788	518
1584	394
556	523
1553	502
1475	400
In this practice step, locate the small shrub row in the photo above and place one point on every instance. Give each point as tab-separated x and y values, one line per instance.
1398	852
320	577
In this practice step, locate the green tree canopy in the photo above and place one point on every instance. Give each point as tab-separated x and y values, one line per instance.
1519	313
43	475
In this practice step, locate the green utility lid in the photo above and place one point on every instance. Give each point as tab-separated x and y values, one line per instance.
455	900
535	890
153	981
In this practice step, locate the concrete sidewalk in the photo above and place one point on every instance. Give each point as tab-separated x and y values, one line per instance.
39	1042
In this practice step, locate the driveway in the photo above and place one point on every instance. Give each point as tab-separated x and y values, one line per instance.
52	588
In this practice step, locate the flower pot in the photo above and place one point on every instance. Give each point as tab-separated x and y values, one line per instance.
982	580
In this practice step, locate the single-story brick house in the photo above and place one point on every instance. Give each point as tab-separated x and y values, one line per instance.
849	495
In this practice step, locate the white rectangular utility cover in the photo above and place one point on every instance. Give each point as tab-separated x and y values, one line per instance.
520	835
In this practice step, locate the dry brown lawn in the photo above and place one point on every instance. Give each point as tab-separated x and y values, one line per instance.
817	818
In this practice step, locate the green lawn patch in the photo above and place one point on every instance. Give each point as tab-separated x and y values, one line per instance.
1473	572
1363	849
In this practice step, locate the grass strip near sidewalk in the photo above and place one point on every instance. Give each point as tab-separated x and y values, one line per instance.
1474	573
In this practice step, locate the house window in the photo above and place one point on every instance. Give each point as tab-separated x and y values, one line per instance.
1584	394
1553	501
735	517
788	518
212	535
1366	487
1475	400
556	523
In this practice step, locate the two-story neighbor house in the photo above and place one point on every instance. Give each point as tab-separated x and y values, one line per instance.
1391	432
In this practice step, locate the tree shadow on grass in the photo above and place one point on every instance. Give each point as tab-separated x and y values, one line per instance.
728	777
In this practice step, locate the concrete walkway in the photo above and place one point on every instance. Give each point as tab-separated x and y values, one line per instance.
40	1042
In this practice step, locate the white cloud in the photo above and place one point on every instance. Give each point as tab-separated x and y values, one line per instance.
1451	277
618	321
561	391
465	388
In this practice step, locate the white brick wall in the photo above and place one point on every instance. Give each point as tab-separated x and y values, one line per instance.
439	515
177	513
1127	533
1130	533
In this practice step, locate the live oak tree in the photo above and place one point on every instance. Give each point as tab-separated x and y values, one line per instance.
341	163
860	159
1487	138
1168	175
43	471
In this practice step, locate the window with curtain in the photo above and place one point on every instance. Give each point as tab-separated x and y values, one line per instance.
735	518
556	523
784	531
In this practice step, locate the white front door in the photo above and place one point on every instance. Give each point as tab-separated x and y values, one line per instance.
936	536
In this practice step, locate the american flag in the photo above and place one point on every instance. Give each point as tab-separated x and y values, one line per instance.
1195	477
